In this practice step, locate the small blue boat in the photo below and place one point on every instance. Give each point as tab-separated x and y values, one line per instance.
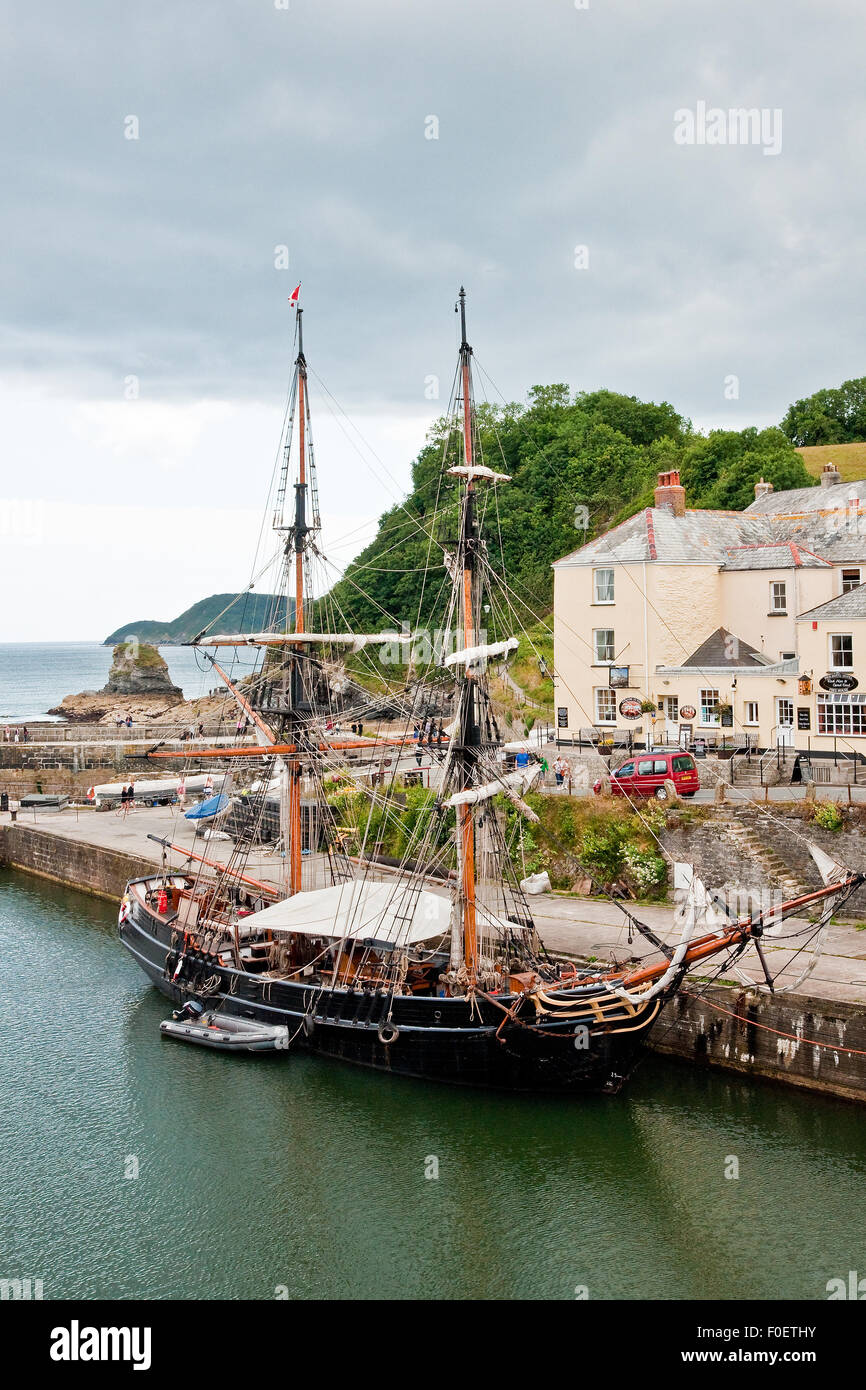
214	806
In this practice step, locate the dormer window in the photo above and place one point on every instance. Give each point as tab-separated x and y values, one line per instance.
850	580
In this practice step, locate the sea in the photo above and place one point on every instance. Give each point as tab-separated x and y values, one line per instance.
35	676
138	1167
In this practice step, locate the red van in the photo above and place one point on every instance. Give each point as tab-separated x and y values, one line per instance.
646	774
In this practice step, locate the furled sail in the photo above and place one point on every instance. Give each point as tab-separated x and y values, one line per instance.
515	782
472	656
478	470
356	640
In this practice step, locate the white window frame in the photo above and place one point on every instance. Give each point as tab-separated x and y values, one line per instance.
751	712
596	587
834	664
605	694
778	590
708	705
610	646
851	569
842	714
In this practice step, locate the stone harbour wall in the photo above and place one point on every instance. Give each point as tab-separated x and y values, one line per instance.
91	868
806	1048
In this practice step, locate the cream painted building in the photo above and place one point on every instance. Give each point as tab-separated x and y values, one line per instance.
725	623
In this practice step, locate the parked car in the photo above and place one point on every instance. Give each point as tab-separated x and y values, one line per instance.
645	775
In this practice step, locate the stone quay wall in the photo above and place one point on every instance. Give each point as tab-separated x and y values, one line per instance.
805	1047
719	861
74	863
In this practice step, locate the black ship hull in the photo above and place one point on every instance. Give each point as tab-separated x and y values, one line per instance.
451	1040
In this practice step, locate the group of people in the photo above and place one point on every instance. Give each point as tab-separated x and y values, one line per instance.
561	770
15	735
192	732
127	795
122	722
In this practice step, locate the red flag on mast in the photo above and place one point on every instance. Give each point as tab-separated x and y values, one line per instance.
293	297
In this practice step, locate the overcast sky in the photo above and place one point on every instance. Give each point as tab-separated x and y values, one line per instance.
307	127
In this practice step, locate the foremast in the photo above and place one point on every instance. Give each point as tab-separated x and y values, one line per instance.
296	550
464	949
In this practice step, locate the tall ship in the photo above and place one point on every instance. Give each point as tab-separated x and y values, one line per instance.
431	966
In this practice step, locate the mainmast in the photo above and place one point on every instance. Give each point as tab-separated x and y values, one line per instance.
467	752
300	529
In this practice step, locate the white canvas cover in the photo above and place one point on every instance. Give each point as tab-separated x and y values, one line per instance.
358	910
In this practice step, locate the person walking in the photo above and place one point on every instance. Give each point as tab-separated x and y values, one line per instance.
557	770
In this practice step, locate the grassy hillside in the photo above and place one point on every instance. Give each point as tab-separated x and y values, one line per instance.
850	459
252	613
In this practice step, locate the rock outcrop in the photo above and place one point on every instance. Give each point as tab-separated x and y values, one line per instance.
138	685
138	669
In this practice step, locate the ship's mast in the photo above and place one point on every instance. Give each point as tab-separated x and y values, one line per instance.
300	528
469	732
299	533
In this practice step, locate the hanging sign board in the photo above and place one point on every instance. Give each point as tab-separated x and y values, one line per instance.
835	680
630	708
619	677
687	711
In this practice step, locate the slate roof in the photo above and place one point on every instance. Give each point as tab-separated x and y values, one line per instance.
808	499
723	648
656	534
776	555
709	537
850	605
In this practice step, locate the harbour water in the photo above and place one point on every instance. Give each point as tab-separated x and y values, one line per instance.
35	676
313	1179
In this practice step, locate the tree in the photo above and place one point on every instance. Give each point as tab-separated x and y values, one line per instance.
835	416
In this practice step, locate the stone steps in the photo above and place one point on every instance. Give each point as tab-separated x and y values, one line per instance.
749	844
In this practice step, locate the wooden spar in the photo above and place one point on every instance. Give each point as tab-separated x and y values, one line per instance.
710	945
465	814
245	704
275	748
294	846
216	864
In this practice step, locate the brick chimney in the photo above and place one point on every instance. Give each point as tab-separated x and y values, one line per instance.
670	495
762	488
830	475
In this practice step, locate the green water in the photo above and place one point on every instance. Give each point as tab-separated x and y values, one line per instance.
294	1172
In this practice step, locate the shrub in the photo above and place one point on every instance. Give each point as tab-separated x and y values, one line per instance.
645	868
827	815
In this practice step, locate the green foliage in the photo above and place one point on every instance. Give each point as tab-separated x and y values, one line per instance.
836	416
827	815
600	451
720	471
597	450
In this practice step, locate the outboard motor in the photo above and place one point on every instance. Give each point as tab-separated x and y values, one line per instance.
191	1012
